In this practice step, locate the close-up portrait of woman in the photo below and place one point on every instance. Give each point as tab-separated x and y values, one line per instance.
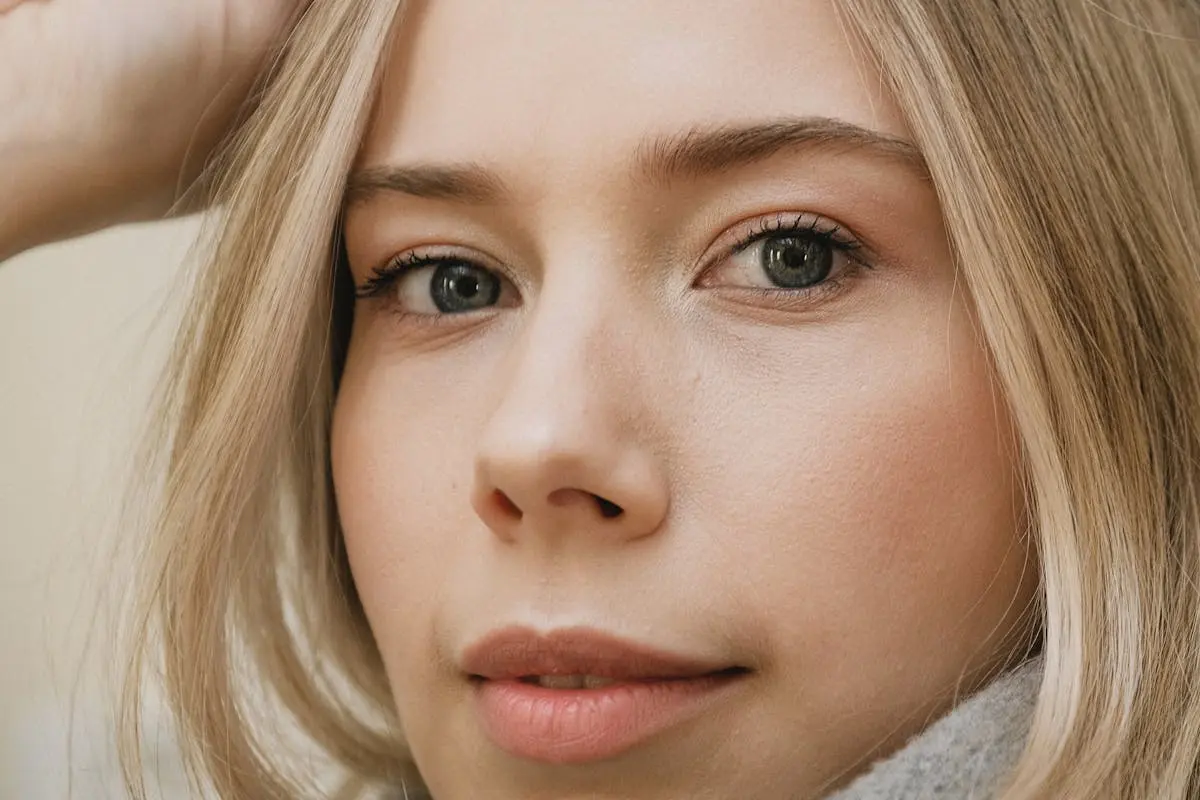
649	399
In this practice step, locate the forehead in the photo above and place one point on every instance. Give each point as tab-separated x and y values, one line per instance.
566	85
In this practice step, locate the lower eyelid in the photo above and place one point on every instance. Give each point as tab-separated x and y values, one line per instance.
789	301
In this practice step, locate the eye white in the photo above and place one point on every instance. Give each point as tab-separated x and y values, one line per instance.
413	291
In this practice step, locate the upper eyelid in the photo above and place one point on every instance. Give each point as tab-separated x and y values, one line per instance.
799	222
744	234
733	238
436	253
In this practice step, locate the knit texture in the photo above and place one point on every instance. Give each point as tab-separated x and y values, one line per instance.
965	755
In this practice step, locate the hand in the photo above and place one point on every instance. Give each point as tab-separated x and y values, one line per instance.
125	100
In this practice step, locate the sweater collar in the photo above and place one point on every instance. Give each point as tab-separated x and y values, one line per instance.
966	754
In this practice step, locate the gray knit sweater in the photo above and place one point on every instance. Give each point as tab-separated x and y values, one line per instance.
965	755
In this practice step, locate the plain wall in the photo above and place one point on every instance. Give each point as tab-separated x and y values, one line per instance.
78	355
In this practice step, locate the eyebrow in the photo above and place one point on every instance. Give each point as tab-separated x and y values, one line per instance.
659	161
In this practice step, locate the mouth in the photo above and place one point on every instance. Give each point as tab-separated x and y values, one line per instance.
589	682
577	696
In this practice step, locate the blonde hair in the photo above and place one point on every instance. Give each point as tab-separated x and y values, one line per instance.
1062	138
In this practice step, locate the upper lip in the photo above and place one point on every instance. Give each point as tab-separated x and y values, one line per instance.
519	652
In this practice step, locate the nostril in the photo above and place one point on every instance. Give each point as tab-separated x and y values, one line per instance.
506	505
609	510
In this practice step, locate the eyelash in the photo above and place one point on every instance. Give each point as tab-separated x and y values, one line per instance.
383	278
831	234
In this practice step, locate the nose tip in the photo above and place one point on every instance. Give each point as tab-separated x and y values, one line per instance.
532	504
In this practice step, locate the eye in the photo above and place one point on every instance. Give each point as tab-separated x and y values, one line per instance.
453	288
795	262
787	254
422	285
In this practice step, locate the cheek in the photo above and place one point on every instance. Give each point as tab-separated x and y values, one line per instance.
876	516
402	483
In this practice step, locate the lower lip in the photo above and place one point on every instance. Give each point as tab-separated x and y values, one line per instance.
575	726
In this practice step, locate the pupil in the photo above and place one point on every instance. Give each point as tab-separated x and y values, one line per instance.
794	262
466	287
456	288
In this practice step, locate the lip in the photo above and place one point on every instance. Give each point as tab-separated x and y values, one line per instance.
521	652
655	691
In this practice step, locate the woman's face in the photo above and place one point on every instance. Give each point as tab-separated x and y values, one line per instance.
680	359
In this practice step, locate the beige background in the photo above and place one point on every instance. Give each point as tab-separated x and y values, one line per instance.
78	353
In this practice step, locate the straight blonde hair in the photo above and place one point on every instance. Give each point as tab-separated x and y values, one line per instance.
1063	140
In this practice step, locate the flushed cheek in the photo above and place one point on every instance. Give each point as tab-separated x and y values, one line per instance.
877	508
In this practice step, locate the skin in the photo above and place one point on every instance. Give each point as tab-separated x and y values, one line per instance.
817	485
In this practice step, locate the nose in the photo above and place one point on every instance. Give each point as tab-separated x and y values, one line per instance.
566	458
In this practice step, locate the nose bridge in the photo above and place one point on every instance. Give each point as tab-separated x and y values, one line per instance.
563	387
576	353
582	325
561	451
